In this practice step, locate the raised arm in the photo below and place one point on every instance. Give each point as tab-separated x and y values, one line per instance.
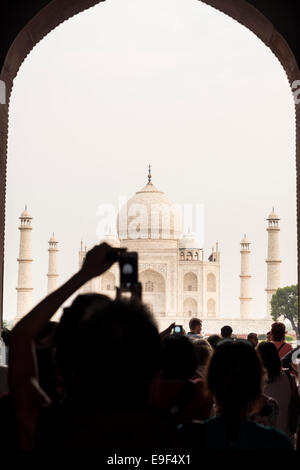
97	261
23	374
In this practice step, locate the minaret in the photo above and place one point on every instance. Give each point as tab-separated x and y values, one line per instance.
88	286
273	261
52	265
24	289
245	289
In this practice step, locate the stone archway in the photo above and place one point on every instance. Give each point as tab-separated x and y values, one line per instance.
57	11
154	290
211	282
211	308
190	282
190	307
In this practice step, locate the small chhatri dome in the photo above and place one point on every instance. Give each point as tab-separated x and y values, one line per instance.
189	241
273	215
53	239
245	240
149	214
25	214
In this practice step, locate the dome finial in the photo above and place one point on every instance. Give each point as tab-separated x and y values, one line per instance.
149	175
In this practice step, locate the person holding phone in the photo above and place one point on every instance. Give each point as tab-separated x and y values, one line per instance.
195	325
107	354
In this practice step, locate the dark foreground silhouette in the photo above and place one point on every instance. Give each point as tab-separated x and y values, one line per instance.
104	379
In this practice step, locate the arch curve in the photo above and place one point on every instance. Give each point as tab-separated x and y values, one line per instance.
190	307
211	308
190	282
211	282
154	290
58	11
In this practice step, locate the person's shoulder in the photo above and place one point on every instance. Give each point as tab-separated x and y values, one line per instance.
189	431
271	437
194	336
191	427
280	440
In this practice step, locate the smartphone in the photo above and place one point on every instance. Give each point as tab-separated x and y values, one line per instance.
128	262
178	330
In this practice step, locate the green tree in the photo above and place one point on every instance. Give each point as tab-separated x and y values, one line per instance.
285	303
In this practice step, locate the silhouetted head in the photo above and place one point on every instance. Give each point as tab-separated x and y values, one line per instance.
253	339
66	334
278	331
45	339
226	331
195	325
270	358
178	358
114	352
234	377
213	340
203	351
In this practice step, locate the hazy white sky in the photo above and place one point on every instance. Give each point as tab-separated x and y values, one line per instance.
171	82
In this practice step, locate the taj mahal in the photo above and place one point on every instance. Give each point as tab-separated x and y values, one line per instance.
179	280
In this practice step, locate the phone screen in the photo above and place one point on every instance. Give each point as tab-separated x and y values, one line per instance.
178	329
128	270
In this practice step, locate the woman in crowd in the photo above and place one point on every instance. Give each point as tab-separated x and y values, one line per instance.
213	340
278	333
179	389
278	386
203	351
234	378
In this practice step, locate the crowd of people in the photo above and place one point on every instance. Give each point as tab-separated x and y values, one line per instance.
105	379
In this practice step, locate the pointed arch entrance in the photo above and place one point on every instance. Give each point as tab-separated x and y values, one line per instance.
42	17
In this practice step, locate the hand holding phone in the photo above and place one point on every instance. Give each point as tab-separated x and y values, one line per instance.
178	330
99	259
128	262
134	292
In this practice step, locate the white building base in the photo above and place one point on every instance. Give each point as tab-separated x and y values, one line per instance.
211	326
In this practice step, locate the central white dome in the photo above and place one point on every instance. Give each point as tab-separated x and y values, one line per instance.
149	214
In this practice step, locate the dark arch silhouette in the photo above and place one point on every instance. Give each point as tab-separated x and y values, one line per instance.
24	24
